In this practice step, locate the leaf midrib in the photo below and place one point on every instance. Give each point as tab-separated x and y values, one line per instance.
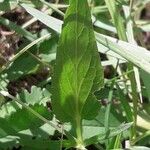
76	54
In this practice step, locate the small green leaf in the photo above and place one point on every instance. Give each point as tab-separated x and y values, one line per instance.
18	69
8	108
47	49
35	96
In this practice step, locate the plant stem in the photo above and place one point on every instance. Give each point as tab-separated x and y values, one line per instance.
110	97
78	130
79	141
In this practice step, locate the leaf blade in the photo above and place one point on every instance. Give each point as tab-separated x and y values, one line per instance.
78	72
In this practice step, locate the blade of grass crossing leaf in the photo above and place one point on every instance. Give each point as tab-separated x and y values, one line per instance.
105	26
111	134
32	20
51	123
4	93
108	108
125	104
107	113
147	133
122	48
17	29
23	51
130	36
146	79
115	142
126	107
122	35
135	97
119	24
129	55
116	18
49	21
134	76
52	7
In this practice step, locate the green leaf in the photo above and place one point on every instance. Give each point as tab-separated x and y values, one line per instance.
35	96
38	143
6	5
8	108
2	100
3	81
26	139
125	103
146	79
116	18
95	126
22	119
52	22
5	128
12	26
78	72
139	148
128	51
108	135
47	49
18	68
